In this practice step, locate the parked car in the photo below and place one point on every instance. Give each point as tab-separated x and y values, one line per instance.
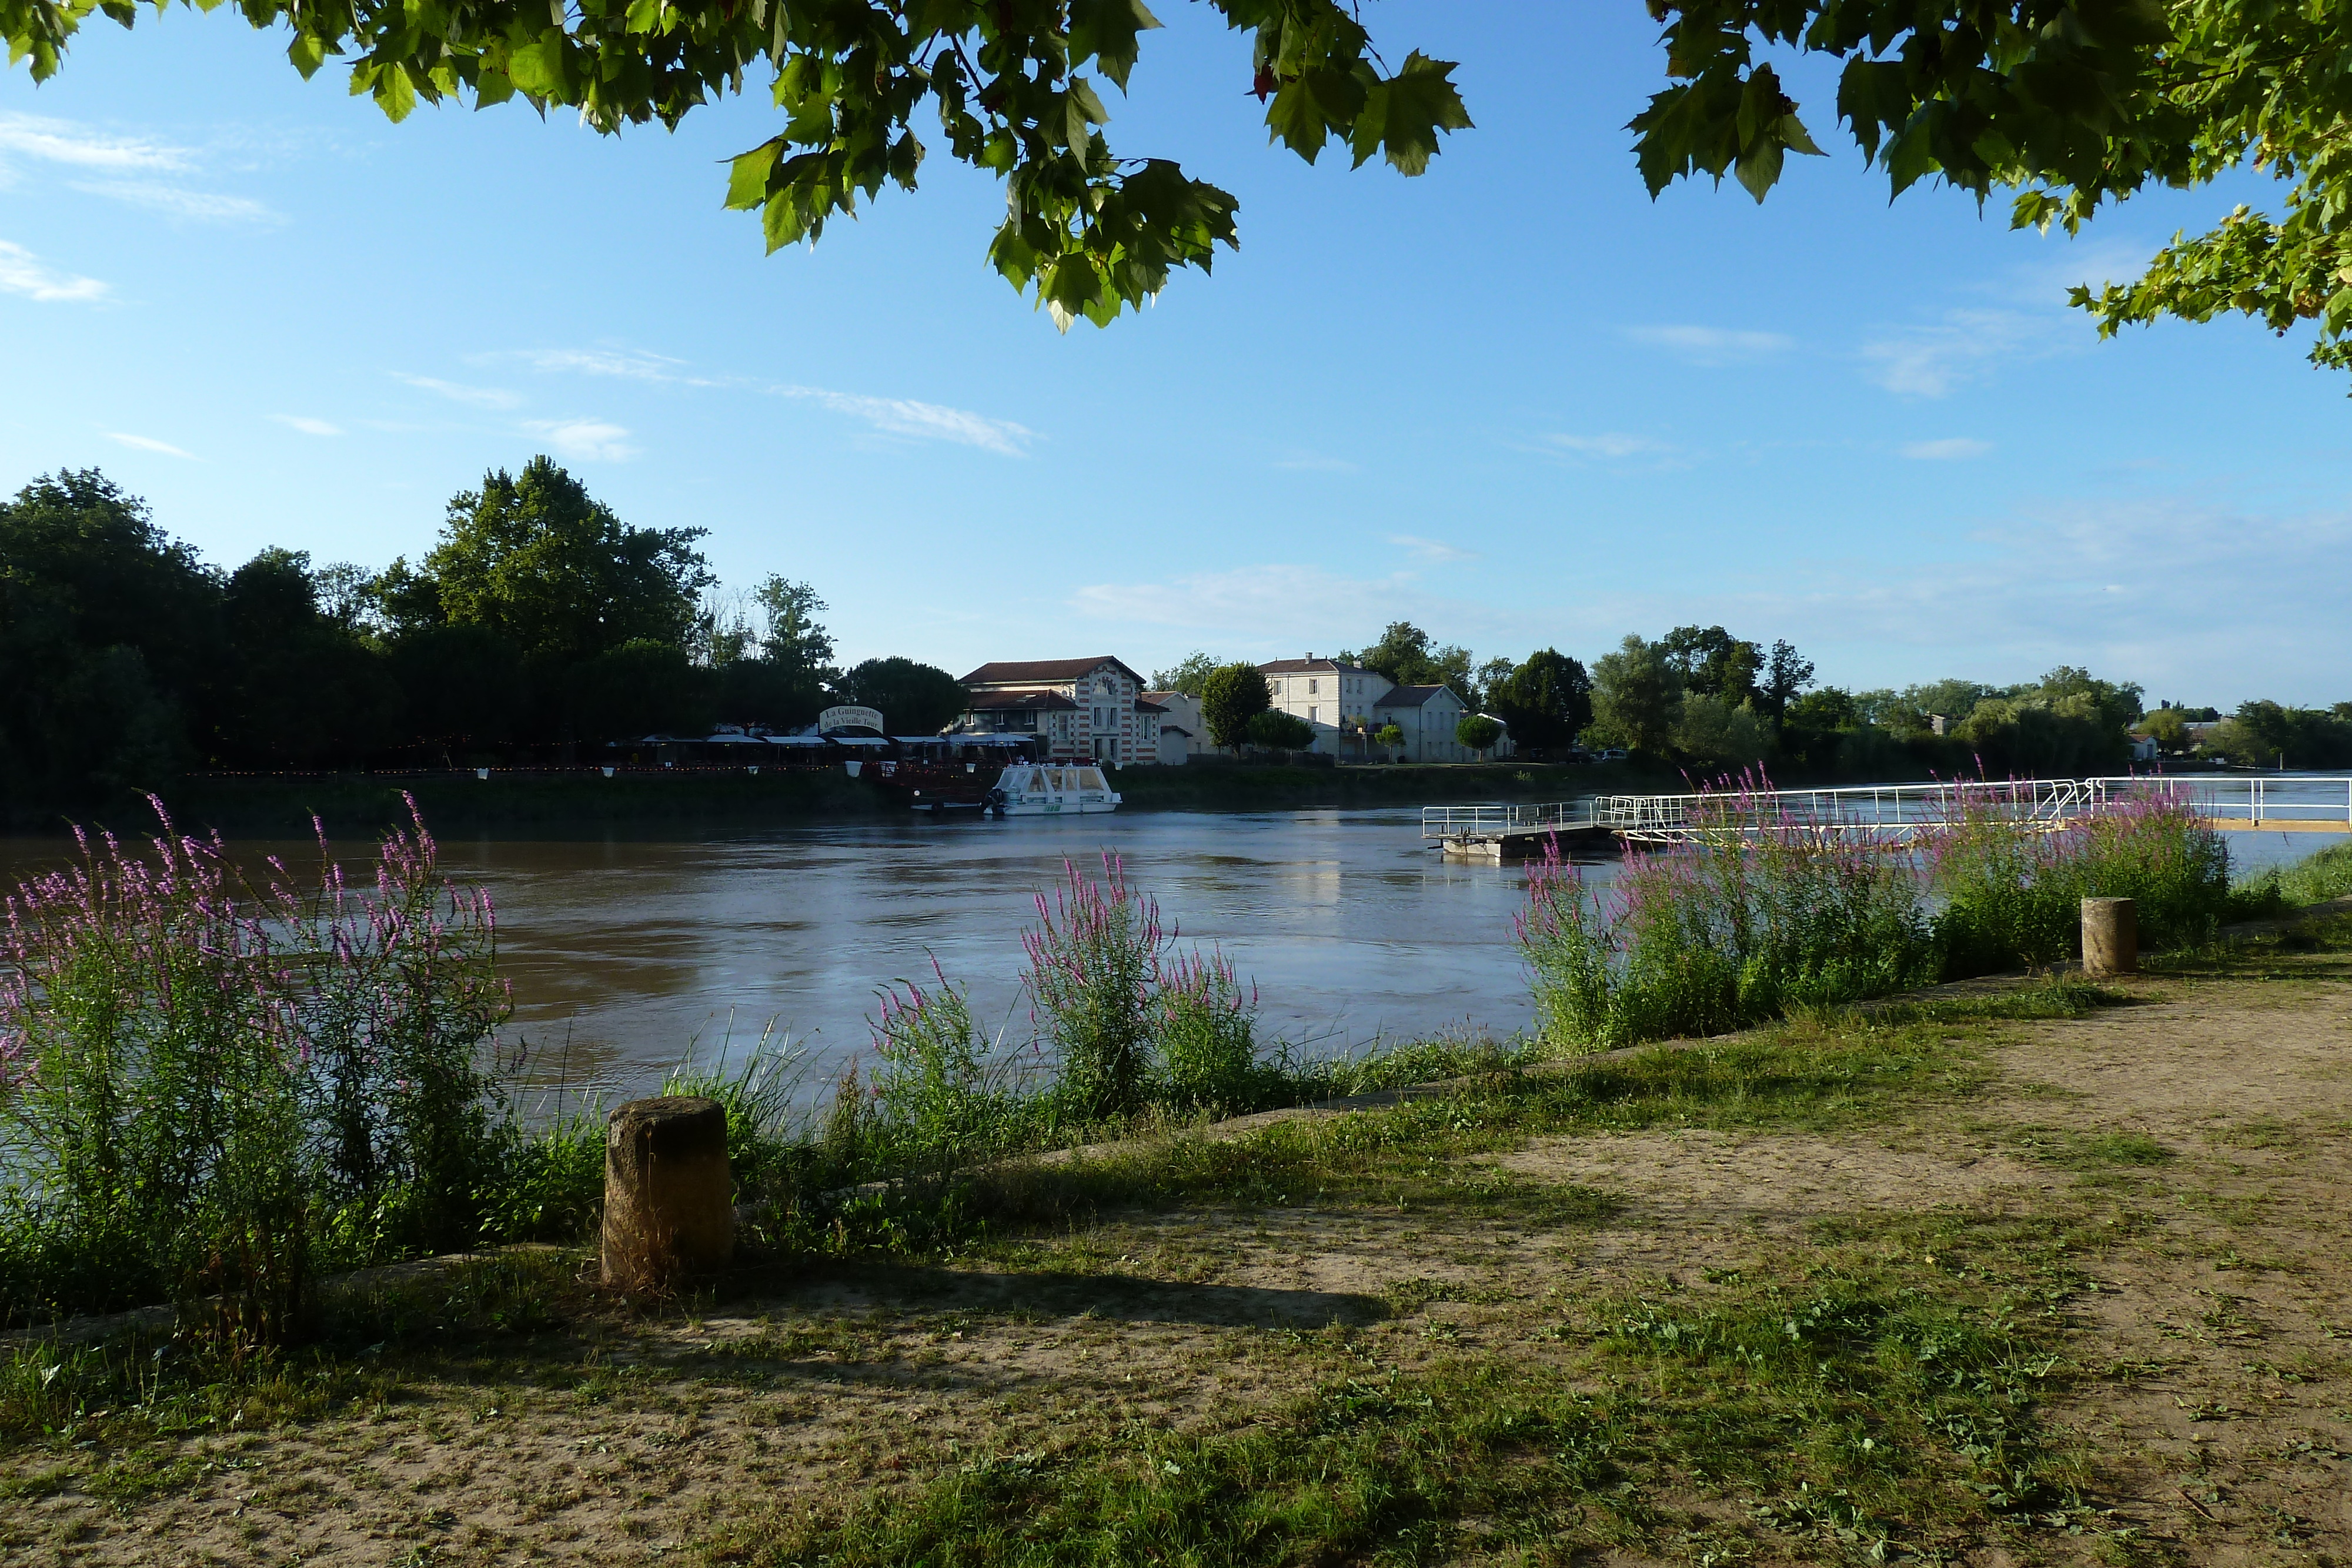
1614	753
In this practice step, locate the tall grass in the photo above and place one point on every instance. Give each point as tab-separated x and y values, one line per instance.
2315	879
219	1083
1759	914
1095	959
2012	892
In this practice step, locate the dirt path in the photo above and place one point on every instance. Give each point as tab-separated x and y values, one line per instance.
2210	1122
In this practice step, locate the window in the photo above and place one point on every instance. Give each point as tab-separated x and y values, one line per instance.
1312	686
1314	715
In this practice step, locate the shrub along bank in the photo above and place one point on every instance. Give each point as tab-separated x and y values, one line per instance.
1767	913
220	1089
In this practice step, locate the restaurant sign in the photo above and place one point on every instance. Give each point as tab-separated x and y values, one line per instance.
835	718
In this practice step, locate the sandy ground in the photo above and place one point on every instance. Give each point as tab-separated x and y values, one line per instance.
2218	1426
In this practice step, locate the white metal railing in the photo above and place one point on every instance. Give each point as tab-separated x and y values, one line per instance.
1506	822
2276	801
1896	813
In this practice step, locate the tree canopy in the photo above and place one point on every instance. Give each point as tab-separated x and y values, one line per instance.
1012	86
2069	104
2072	105
1187	675
1406	655
1231	696
914	698
1547	700
535	558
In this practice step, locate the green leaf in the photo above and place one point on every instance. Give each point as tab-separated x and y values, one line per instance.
308	53
491	86
1294	119
1759	168
537	68
747	177
1105	30
395	94
1403	115
2127	22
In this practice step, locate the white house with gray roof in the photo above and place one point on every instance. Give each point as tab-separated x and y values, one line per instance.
1346	705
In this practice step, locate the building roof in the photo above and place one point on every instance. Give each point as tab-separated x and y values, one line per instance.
1166	698
1409	696
1145	705
1321	666
1042	670
982	702
1175	729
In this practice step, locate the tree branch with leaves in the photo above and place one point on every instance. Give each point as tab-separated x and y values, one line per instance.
1012	86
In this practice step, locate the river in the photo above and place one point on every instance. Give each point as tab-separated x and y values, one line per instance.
627	953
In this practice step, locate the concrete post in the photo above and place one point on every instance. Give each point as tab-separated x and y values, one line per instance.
669	1208
2110	936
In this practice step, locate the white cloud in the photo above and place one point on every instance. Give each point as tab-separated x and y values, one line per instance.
480	397
1609	443
203	206
1712	345
584	440
2180	593
22	273
2094	262
1951	448
149	443
891	416
922	421
1250	606
62	142
307	425
1315	462
1967	345
1432	549
633	365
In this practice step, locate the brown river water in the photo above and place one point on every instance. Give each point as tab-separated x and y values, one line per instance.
629	954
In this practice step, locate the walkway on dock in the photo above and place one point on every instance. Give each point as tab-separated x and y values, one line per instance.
1891	814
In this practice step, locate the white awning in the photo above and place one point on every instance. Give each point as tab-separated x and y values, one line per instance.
795	740
855	740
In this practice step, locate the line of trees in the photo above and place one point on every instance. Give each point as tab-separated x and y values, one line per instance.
1701	698
2258	735
539	623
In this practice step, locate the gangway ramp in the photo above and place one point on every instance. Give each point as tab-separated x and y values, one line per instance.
1889	813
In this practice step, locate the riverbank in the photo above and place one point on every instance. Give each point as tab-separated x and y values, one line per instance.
2043	1271
528	803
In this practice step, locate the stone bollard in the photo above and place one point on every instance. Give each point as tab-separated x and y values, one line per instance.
2110	936
669	1207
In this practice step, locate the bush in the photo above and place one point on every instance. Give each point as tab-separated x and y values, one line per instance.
941	1098
2013	893
1205	1035
1278	731
1093	960
220	1085
2315	879
1760	915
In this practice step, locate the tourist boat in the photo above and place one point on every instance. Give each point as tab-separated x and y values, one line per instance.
1030	790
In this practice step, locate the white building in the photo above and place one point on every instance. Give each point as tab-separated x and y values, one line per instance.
1182	734
1348	704
1079	709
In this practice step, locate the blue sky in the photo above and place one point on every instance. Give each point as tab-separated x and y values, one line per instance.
1514	401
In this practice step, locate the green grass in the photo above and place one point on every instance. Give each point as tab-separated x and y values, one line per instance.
2316	878
1879	1398
1872	1388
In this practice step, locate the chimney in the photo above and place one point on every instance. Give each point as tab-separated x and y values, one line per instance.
1310	655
